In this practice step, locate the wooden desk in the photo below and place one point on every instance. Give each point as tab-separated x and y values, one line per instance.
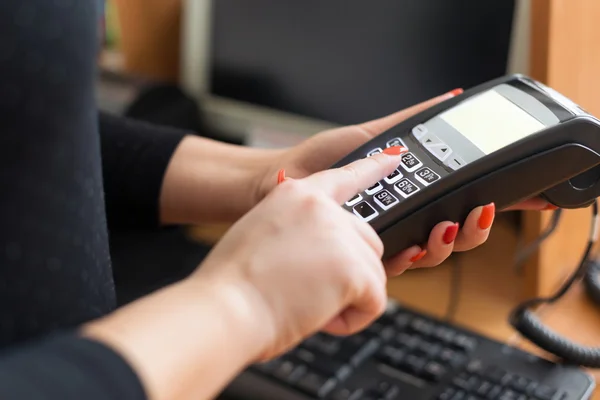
490	287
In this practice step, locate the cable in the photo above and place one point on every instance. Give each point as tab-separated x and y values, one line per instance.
531	327
522	255
591	281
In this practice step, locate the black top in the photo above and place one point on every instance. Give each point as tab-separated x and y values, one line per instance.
67	175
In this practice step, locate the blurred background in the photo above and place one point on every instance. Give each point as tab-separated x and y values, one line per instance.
270	73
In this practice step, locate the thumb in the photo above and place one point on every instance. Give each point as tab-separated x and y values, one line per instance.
343	183
380	125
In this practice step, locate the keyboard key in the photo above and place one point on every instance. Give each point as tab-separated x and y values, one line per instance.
464	342
428	349
406	187
408	341
434	371
444	334
347	394
447	394
410	162
422	326
451	357
483	388
365	352
351	344
426	176
545	393
475	367
365	211
496	374
327	366
466	382
325	344
374	189
316	385
391	355
459	395
508	394
414	363
393	177
289	371
522	384
387	391
385	200
402	320
494	392
354	200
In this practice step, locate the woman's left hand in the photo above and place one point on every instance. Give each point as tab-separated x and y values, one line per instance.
324	149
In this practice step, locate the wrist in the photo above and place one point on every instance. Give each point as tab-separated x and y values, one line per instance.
189	330
245	310
210	181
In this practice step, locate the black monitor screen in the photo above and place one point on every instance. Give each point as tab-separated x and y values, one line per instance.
347	61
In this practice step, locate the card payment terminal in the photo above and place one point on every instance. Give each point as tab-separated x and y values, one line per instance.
503	141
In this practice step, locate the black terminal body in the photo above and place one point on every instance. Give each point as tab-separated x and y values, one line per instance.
503	141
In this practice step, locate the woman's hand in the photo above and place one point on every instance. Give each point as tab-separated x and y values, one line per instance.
302	261
324	149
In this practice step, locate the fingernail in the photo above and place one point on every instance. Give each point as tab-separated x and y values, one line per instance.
487	216
417	257
395	150
450	233
550	207
456	91
281	176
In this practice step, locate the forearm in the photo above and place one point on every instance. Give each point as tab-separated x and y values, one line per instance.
186	341
210	181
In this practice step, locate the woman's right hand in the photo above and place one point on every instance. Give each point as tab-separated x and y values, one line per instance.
301	262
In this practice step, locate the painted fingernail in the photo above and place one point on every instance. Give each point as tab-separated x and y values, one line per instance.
487	216
550	207
395	150
450	233
281	176
418	256
456	91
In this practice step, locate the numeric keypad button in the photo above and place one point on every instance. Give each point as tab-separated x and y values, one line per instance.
426	176
410	162
385	200
454	162
406	187
393	177
374	189
354	200
374	151
365	211
395	142
419	131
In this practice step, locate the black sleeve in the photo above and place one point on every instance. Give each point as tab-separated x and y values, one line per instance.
67	367
135	156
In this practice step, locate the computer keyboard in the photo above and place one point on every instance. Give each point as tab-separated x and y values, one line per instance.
408	355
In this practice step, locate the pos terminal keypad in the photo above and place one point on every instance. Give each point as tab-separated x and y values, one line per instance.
428	159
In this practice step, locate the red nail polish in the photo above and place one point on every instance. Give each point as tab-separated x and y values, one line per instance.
280	176
450	233
395	150
456	91
418	256
550	207
487	216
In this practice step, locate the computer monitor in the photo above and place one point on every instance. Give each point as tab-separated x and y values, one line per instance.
298	67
